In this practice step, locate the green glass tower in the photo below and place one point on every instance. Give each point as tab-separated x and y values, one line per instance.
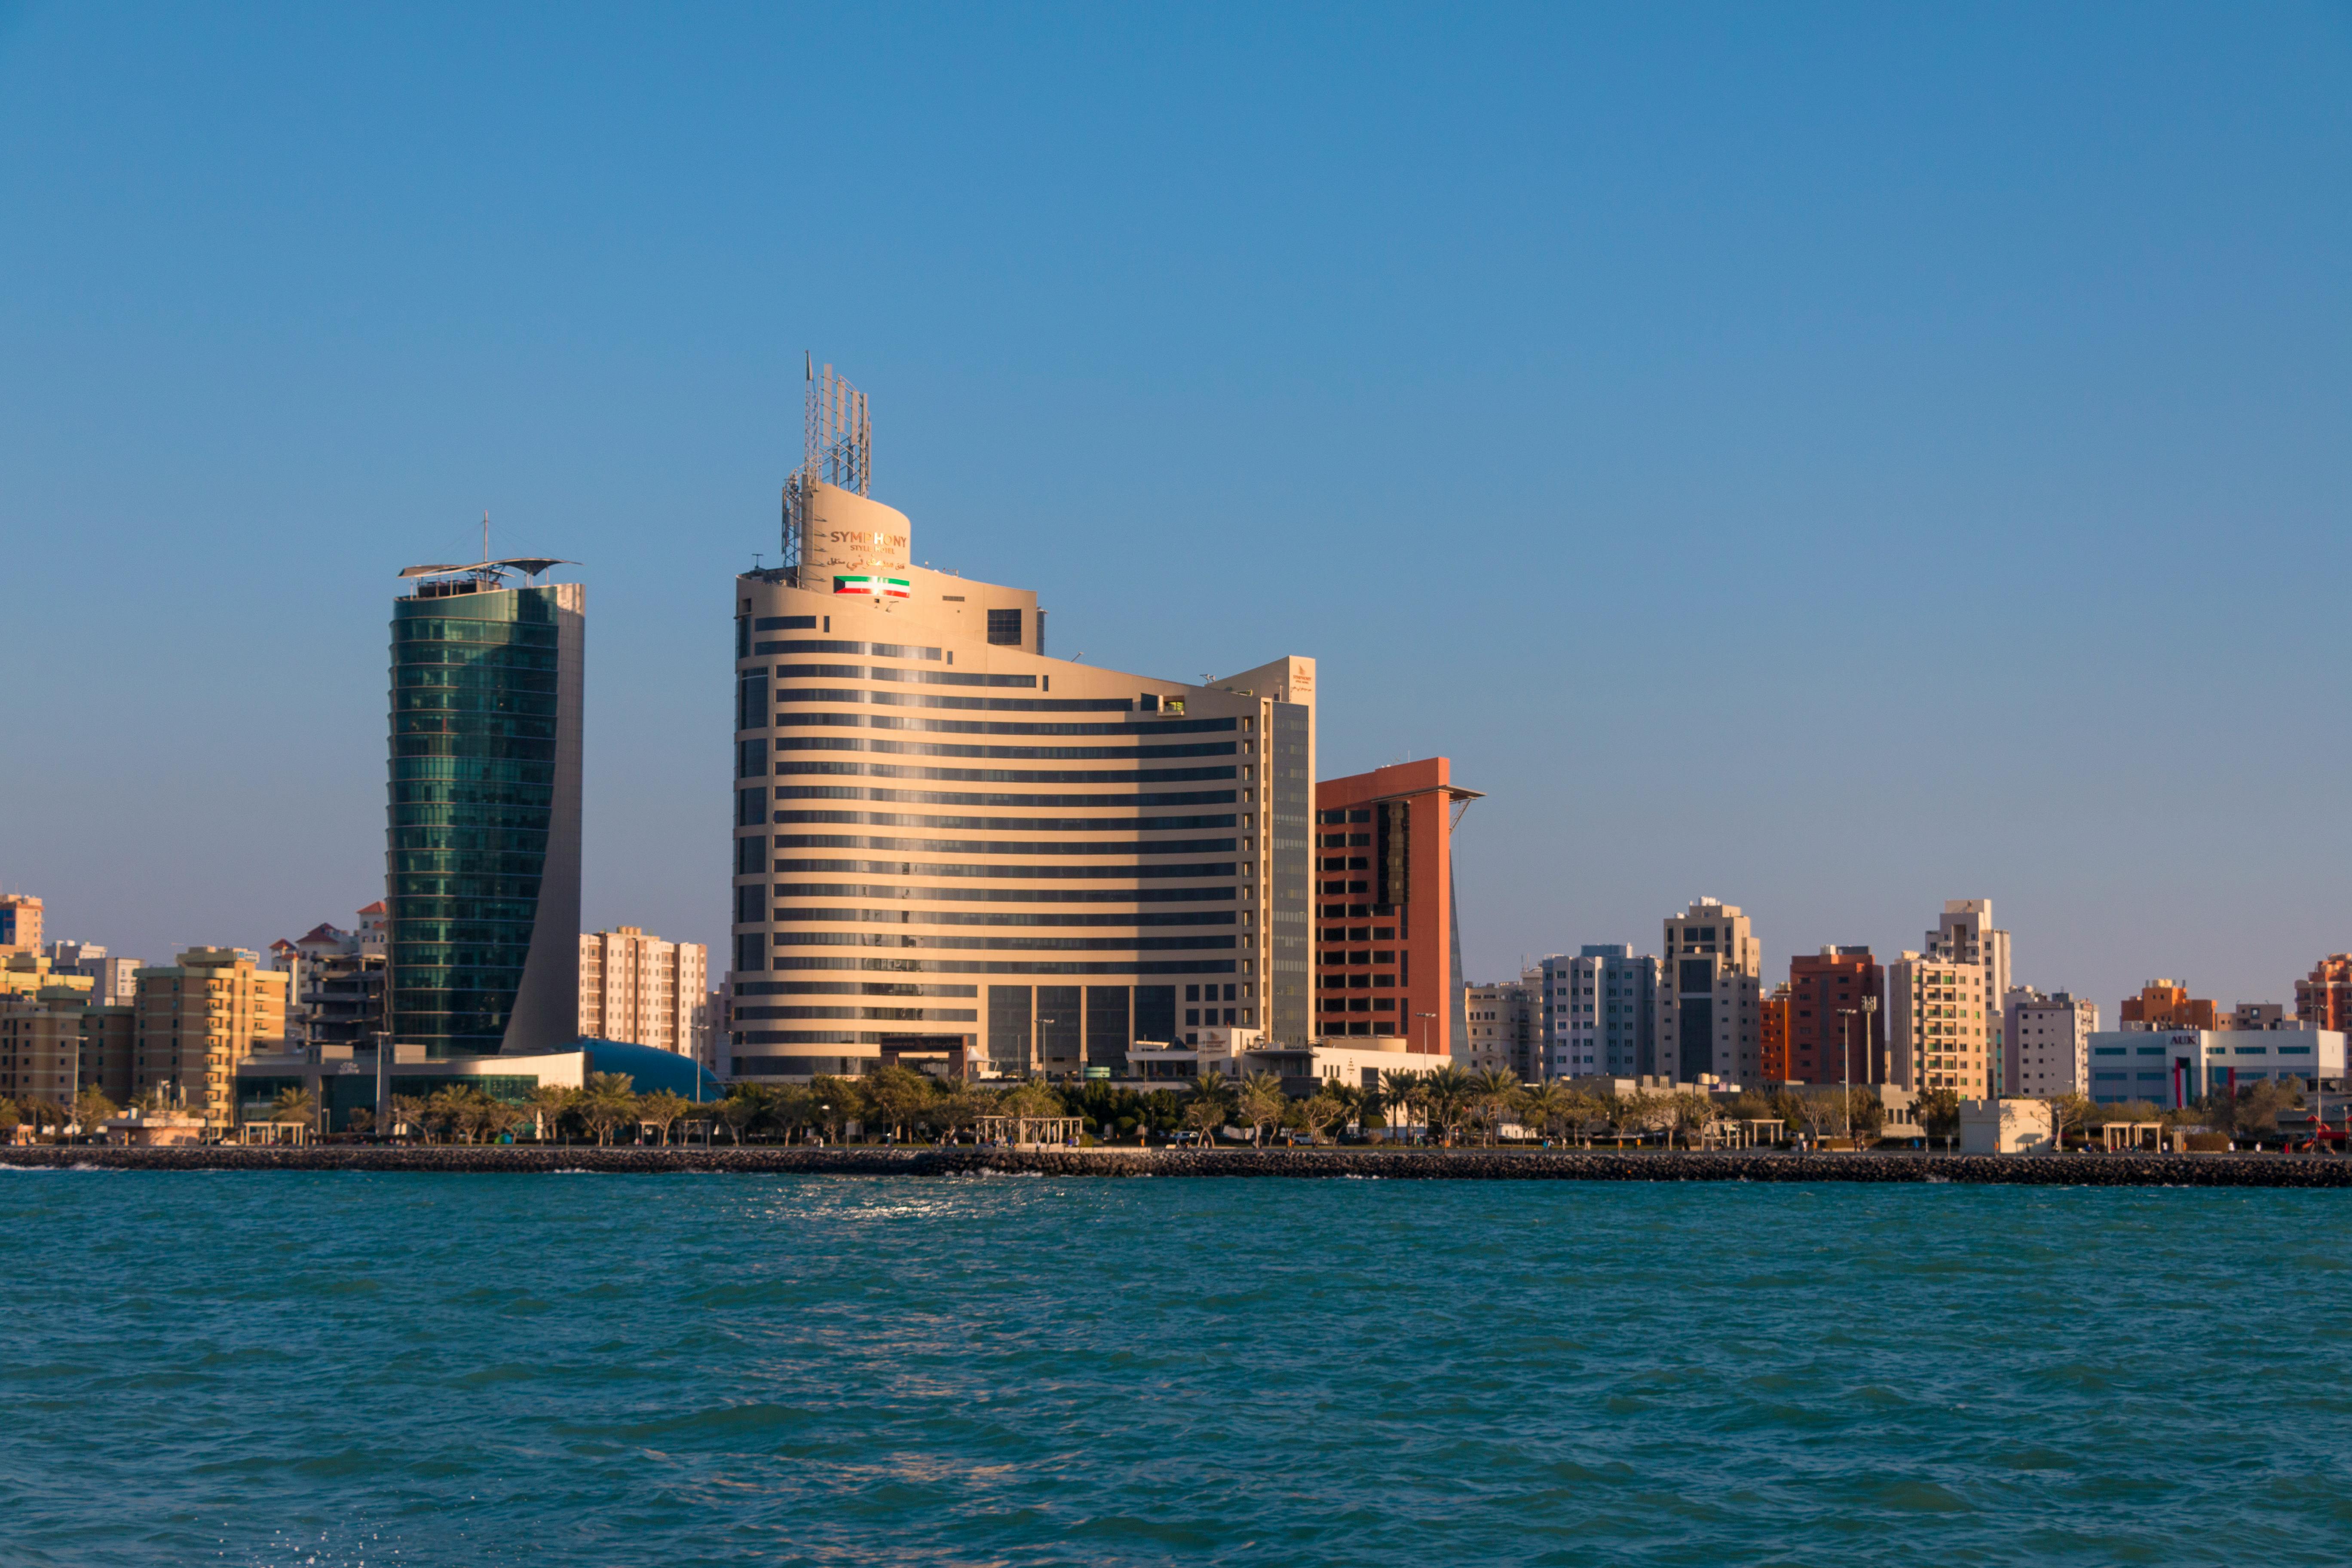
482	865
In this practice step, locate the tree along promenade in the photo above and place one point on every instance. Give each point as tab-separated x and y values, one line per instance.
2243	1170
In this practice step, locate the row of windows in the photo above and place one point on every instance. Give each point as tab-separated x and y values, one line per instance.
851	695
1067	802
784	914
1001	895
1014	775
996	944
1336	958
910	676
1345	814
1361	1004
863	649
751	953
1007	847
851	988
1358	982
1017	824
1039	873
869	1014
1009	753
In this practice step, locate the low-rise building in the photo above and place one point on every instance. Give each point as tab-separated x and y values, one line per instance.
2049	1042
2006	1127
2176	1068
2322	999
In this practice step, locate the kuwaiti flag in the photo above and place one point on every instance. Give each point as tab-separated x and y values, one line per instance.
875	587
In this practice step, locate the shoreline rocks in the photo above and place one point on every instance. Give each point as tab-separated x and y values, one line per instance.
1402	1164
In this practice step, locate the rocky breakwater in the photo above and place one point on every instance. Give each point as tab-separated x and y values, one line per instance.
1401	1164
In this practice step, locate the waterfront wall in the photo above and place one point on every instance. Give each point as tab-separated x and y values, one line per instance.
1421	1164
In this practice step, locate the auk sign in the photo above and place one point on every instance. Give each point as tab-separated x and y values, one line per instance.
875	587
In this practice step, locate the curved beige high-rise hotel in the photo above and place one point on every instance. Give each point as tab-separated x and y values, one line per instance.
951	847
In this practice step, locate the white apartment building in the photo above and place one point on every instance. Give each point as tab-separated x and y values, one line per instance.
2047	1041
1710	997
1939	1034
645	991
1504	1026
1966	935
1600	1012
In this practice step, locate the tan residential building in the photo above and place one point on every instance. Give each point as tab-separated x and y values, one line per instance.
1937	1036
40	1044
29	973
2048	1042
1711	995
942	835
196	1020
645	991
1966	934
1505	1024
20	923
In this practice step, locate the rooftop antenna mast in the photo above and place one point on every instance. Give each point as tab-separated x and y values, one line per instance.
836	448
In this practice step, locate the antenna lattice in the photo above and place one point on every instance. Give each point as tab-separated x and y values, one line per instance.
836	448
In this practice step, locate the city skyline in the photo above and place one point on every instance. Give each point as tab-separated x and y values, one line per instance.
2023	480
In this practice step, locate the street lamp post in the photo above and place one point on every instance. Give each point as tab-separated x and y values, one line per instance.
1425	1017
1845	1050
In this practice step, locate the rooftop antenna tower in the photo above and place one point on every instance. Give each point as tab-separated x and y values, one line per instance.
836	448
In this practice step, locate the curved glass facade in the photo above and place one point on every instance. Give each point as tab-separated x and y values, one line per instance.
483	796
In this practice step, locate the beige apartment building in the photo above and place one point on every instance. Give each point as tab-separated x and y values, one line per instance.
645	991
1937	1036
1711	995
196	1020
944	835
2047	1042
1966	934
20	923
1505	1025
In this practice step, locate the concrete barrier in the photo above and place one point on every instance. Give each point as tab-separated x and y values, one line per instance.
1410	1164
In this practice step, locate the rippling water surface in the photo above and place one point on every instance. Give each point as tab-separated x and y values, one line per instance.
677	1370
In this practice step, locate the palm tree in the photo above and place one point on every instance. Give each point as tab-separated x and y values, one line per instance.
607	1102
548	1102
746	1105
1205	1111
448	1109
663	1109
297	1105
1263	1103
1492	1092
488	1116
1548	1104
407	1111
1447	1092
1401	1091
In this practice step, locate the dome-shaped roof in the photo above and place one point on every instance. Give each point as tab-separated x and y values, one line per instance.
651	1069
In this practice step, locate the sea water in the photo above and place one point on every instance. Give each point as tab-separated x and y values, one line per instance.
337	1369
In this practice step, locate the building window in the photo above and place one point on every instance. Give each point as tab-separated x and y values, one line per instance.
1005	628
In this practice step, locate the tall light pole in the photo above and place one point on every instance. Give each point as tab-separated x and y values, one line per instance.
1845	1050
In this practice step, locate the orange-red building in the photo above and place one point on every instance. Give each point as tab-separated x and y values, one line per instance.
1387	959
2324	1000
2167	1004
1833	1037
1772	1033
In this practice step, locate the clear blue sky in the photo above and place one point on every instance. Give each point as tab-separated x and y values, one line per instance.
1859	456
